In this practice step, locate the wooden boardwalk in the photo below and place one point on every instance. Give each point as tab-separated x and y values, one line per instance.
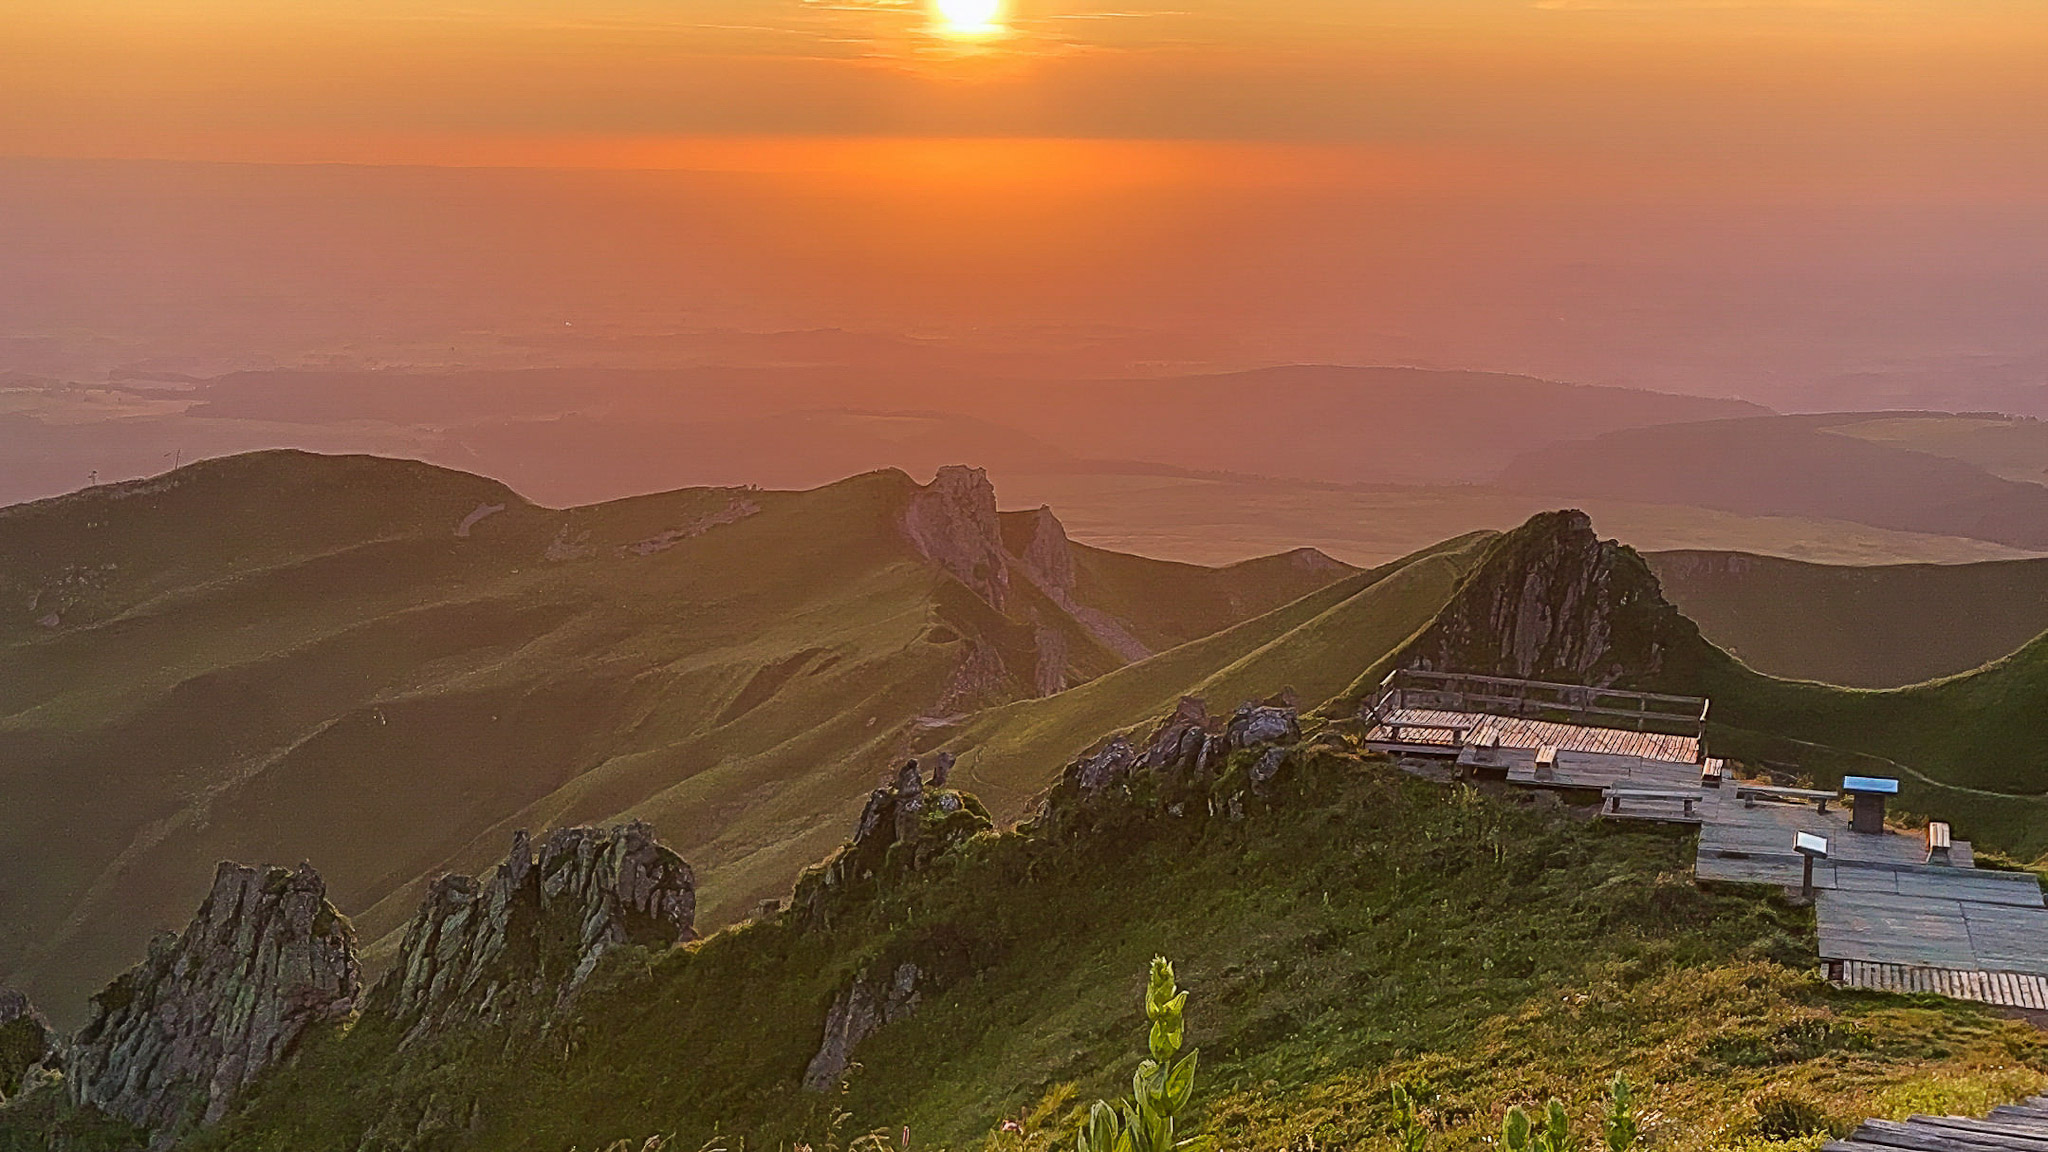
1426	729
2019	1127
1886	918
1879	902
2004	989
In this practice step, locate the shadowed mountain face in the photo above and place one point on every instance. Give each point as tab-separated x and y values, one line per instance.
387	668
1862	627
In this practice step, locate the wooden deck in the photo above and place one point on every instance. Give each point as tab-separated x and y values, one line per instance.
1887	919
2003	989
1432	730
1879	902
2019	1127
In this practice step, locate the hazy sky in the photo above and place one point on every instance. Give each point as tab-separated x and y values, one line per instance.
1662	191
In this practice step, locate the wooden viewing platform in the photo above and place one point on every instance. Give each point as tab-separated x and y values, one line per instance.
1895	911
1570	704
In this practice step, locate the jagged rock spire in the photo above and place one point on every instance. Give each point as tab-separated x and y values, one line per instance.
178	1036
952	522
538	927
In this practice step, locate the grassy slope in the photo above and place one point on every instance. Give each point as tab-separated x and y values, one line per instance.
1862	627
1314	646
1361	927
289	657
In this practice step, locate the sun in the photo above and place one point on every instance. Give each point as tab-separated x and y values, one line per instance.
969	17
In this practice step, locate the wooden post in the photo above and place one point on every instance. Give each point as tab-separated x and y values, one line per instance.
1806	884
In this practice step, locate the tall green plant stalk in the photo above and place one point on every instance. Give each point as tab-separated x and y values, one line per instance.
1160	1088
1620	1126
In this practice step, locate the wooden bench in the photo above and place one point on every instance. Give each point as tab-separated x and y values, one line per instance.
1711	773
1749	794
1938	842
1546	762
1615	796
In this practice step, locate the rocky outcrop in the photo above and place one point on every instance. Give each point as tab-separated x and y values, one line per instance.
534	932
906	824
1552	601
1254	724
175	1039
952	523
1041	553
1192	761
25	1040
874	998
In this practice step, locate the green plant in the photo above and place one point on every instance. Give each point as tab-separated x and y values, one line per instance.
1520	1134
1412	1128
1620	1125
1160	1088
1515	1131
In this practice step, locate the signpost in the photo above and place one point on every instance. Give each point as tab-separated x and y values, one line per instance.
1811	848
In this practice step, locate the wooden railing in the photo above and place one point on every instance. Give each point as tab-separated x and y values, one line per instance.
1539	700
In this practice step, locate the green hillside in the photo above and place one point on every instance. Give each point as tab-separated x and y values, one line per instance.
1879	626
386	667
1355	928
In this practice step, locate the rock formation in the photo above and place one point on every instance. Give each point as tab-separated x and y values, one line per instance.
538	927
1002	560
1042	555
905	825
25	1040
174	1040
1182	761
952	523
1552	601
863	1006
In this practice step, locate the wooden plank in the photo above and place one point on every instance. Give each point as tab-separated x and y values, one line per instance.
1916	1138
2016	1135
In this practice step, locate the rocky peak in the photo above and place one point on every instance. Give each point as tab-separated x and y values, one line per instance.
952	522
176	1038
1039	542
905	824
538	927
1552	601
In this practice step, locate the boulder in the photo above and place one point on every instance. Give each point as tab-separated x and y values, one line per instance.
175	1039
534	932
1255	724
875	997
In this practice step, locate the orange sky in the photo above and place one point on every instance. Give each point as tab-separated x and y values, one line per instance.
1418	169
312	77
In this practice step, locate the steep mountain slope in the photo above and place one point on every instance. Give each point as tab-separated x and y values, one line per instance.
1796	466
1879	626
1340	927
387	667
1311	648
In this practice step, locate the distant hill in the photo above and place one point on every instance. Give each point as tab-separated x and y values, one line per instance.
1792	466
576	436
1878	626
386	666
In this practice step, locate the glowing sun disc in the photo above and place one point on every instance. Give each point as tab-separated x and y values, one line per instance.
969	17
